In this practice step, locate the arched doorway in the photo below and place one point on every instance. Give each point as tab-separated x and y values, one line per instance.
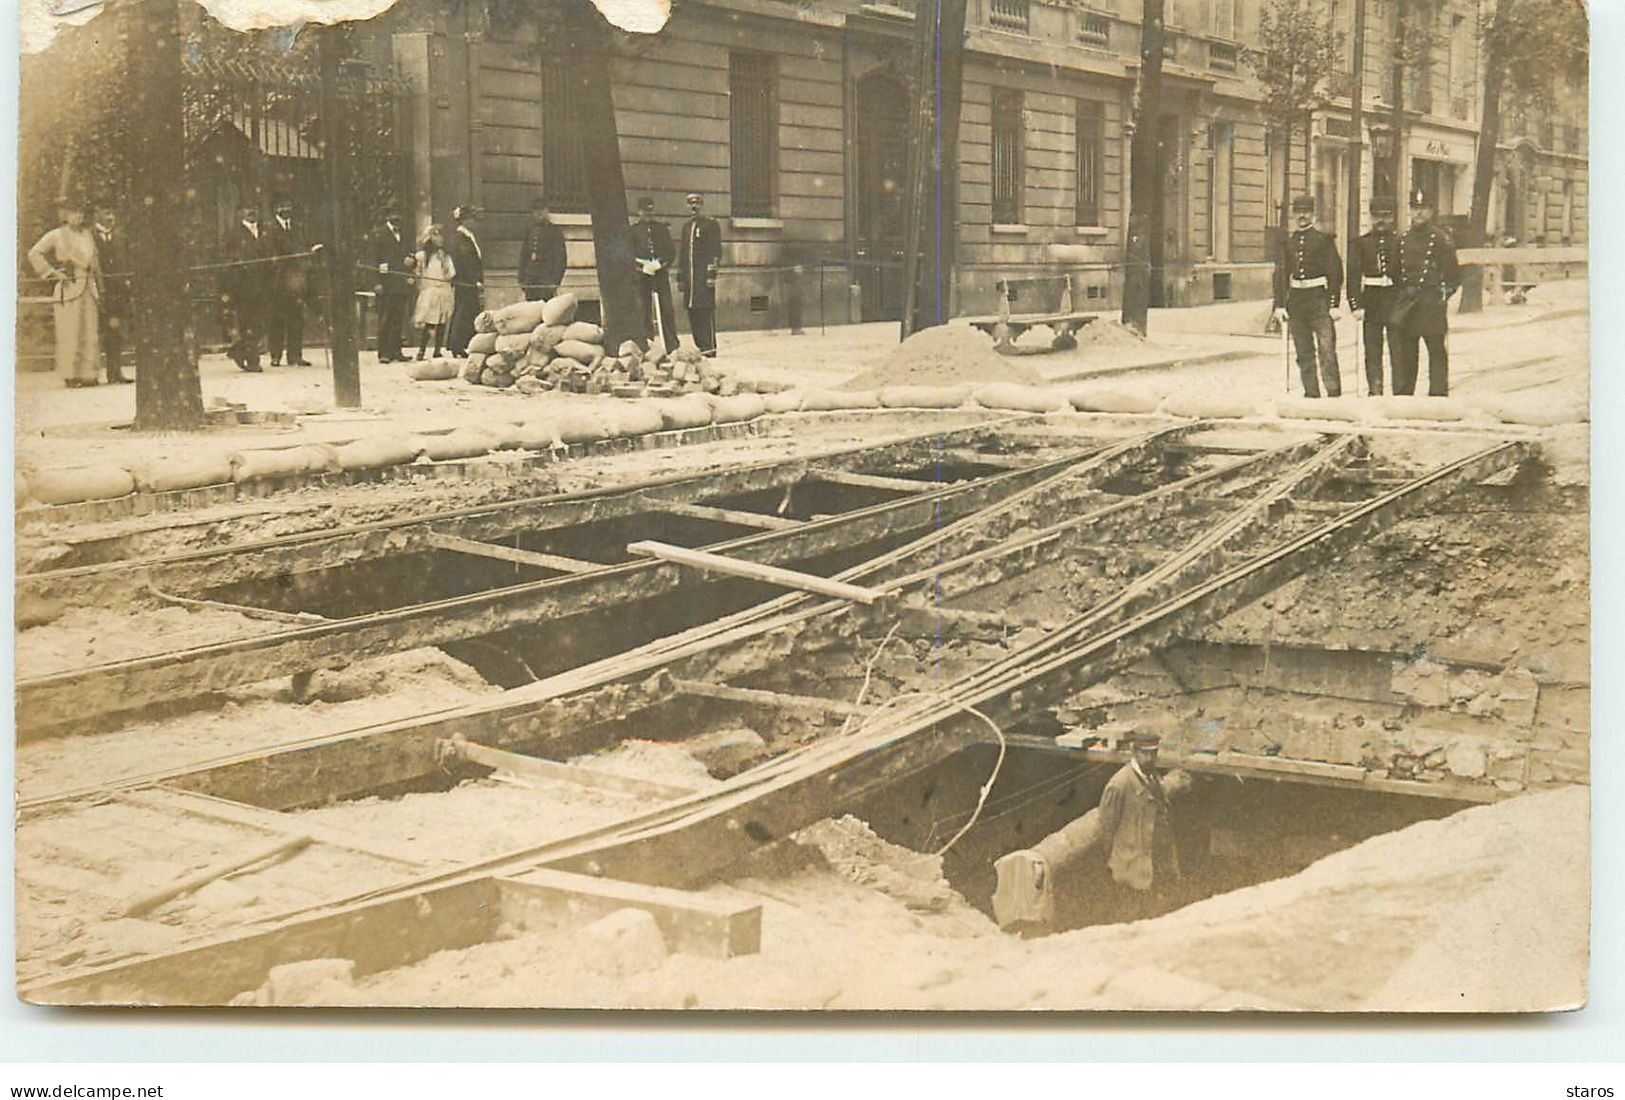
880	180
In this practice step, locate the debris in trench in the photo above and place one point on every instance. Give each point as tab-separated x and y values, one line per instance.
860	856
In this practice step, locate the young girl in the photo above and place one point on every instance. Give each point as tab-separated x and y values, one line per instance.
435	272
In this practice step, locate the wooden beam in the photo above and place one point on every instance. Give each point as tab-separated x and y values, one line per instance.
694	924
555	562
730	515
774	699
534	767
750	570
965	457
872	481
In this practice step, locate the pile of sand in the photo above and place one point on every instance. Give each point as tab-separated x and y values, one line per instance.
943	356
1106	332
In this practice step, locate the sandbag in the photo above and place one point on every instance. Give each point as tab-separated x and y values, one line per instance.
547	337
377	453
838	400
585	331
80	483
433	370
1345	409
539	435
483	343
923	397
504	435
628	348
581	425
1098	399
484	322
513	347
580	351
531	385
462	443
783	402
519	317
1016	397
559	309
1208	407
634	418
1421	408
312	458
734	410
183	471
1534	411
537	359
681	413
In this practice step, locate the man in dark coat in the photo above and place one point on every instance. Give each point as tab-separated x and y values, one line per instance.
1371	288
541	257
115	296
247	286
654	253
1308	283
1136	833
290	285
1428	276
469	286
392	253
698	257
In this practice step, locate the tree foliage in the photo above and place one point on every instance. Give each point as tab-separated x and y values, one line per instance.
1294	60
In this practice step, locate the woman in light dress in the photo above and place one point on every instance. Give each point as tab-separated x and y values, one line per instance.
435	272
66	256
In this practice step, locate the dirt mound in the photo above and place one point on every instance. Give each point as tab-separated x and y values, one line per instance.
858	855
943	355
1105	332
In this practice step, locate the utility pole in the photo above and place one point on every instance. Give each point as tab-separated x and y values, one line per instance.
1357	138
1145	182
1399	104
168	396
933	196
337	155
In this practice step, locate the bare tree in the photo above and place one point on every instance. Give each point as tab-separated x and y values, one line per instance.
1528	48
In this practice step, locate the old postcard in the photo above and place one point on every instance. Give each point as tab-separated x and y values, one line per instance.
804	504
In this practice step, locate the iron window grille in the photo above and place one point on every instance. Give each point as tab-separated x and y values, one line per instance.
752	133
1009	141
564	160
1091	158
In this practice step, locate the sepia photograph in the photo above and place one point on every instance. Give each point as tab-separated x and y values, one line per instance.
944	506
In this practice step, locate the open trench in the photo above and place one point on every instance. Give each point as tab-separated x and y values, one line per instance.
1380	701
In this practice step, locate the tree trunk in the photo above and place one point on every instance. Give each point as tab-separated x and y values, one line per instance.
934	158
338	159
1145	182
1400	197
611	236
168	396
1489	136
1356	141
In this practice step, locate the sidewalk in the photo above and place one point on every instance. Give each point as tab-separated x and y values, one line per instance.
60	427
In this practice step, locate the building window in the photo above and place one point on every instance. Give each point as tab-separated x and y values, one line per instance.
753	137
1221	139
1009	141
1091	161
1010	15
564	161
1225	20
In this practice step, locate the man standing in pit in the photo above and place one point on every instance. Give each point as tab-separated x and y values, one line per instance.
1371	289
1308	284
1137	834
698	258
653	252
541	256
1428	276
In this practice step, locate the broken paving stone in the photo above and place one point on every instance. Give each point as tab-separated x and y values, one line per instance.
1466	758
628	941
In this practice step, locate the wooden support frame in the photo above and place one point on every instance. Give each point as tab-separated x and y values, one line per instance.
556	562
776	700
732	516
872	481
755	571
534	767
691	923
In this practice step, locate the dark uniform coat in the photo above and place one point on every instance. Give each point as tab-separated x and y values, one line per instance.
248	285
115	274
542	259
391	253
1372	277
1310	255
651	240
467	257
1135	829
698	257
1428	275
291	277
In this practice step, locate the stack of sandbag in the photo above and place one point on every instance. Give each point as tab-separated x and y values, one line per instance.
534	346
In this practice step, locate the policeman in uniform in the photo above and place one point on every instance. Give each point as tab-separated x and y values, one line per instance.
1308	284
1428	275
541	256
654	253
1371	288
698	257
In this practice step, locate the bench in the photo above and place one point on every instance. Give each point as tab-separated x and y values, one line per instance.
1031	302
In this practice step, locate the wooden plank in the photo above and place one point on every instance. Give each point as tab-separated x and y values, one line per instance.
556	562
730	515
872	481
534	767
767	574
1536	254
691	923
260	853
775	699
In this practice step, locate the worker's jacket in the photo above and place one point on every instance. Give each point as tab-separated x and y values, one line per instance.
1135	830
1309	273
